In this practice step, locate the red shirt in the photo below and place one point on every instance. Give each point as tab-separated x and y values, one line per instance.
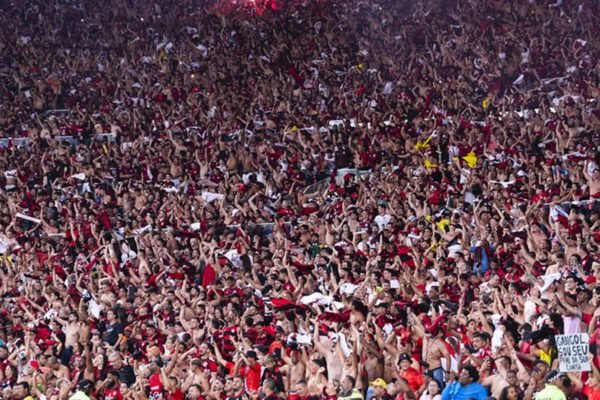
176	395
252	377
113	394
325	396
595	340
208	364
3	365
155	383
591	392
413	378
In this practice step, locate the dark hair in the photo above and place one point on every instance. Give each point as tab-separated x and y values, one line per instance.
472	371
482	336
351	379
197	387
504	393
557	321
320	362
526	327
185	338
437	383
588	293
24	385
86	385
540	362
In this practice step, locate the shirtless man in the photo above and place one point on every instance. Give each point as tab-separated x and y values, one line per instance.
295	369
389	364
196	376
350	365
140	200
374	362
72	328
303	393
316	376
434	349
207	364
192	326
326	348
505	377
57	369
593	178
569	243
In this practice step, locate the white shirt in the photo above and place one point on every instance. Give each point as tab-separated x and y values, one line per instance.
382	220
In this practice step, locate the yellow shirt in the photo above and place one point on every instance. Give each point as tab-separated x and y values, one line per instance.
551	392
549	357
79	396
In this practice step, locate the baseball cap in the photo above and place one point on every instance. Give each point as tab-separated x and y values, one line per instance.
378	383
85	384
553	376
404	357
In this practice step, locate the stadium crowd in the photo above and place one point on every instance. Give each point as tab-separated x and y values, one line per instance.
320	199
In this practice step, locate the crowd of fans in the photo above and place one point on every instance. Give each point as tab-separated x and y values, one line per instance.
320	199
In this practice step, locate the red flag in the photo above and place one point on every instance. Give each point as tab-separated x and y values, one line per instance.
284	304
208	276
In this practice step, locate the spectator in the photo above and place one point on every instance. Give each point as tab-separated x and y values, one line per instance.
512	392
271	370
85	387
194	392
198	196
415	380
348	391
302	393
268	389
22	391
125	372
432	392
379	390
467	386
556	384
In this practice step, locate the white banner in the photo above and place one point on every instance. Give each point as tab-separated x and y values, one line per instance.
28	218
573	352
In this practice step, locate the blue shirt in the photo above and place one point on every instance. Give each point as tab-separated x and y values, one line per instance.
472	391
484	260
